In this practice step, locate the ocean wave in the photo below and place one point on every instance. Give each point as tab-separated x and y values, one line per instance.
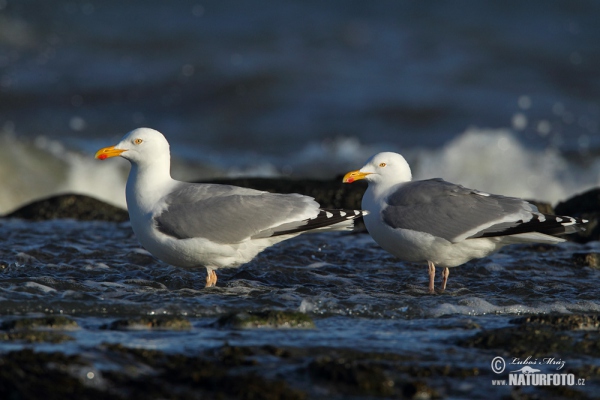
492	160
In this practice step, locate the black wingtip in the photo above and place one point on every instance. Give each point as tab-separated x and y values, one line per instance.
326	217
548	224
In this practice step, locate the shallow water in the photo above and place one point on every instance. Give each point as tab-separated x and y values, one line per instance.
359	296
99	269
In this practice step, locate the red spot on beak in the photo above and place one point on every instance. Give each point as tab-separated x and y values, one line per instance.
102	156
350	180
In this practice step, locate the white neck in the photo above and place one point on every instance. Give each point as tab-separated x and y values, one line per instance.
146	183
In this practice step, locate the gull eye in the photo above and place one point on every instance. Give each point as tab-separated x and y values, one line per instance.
138	141
382	164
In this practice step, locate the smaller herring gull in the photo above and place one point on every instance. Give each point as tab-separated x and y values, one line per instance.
214	226
443	223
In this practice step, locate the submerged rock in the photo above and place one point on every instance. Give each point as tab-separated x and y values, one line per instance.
267	319
591	259
50	322
76	206
32	336
542	336
562	322
29	375
37	329
205	375
142	323
364	377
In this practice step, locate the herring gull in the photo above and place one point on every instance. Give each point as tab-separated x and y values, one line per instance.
443	223
214	226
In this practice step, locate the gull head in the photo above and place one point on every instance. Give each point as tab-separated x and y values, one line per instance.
383	168
142	145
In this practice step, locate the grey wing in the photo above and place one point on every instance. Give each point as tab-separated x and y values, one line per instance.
454	212
229	214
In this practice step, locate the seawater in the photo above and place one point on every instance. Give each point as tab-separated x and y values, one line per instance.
358	294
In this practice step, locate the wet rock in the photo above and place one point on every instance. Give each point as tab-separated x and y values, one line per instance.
31	336
365	377
50	322
523	340
143	323
36	329
196	376
585	205
542	336
76	206
139	258
266	319
29	375
562	322
419	390
591	259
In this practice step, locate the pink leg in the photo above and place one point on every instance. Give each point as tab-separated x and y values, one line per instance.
445	278
211	278
431	276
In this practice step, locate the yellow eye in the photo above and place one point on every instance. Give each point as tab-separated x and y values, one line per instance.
382	164
138	141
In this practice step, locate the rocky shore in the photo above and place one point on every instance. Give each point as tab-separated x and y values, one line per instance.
31	368
283	372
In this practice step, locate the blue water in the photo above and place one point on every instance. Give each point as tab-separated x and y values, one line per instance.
358	295
501	96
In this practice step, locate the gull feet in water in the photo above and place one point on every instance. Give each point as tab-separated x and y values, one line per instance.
211	278
432	276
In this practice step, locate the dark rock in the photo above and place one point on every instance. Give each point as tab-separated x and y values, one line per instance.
365	377
562	322
585	205
591	259
267	319
30	336
196	376
76	206
419	390
586	202
51	322
29	375
36	330
141	323
542	336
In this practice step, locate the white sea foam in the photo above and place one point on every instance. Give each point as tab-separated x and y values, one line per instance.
41	288
492	160
478	306
495	161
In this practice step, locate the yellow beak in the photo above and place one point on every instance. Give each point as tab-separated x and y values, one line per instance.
355	176
108	152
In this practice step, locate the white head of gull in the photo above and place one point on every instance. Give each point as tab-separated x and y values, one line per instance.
443	223
214	226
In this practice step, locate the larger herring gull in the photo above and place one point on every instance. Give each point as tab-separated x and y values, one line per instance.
443	223
214	226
